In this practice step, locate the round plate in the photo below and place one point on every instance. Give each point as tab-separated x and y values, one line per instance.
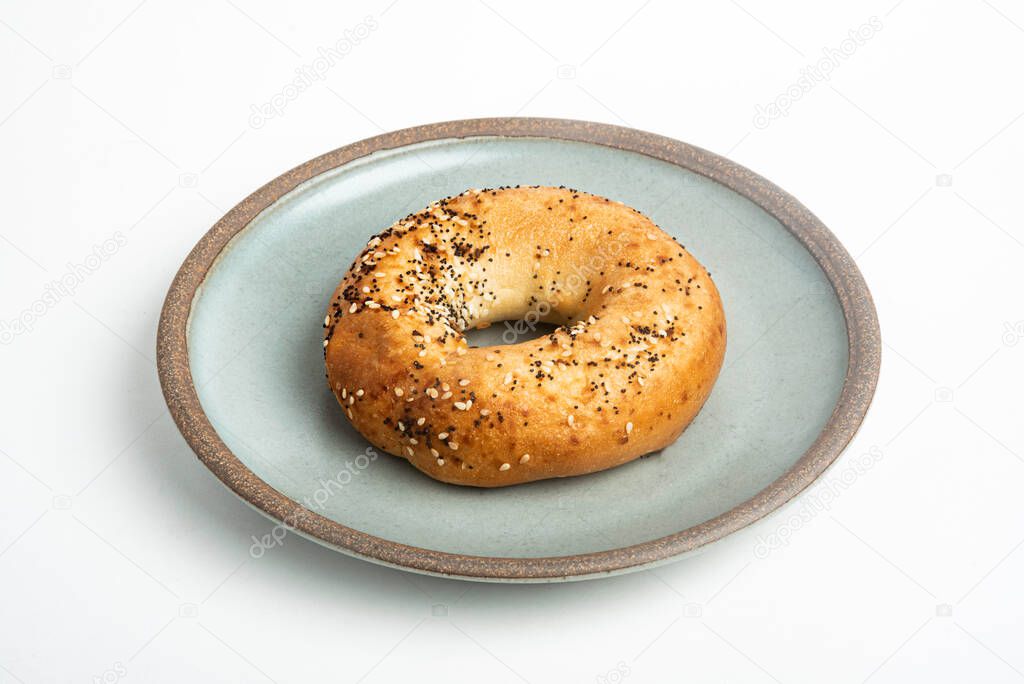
241	365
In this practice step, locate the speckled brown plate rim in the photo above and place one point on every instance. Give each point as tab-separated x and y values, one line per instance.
853	295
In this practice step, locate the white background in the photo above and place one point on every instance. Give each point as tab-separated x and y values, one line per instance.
121	557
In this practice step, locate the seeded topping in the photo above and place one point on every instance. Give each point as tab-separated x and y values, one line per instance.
622	319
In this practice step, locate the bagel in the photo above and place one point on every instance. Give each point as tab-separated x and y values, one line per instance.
640	340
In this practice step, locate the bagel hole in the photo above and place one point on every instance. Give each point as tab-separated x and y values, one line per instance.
501	333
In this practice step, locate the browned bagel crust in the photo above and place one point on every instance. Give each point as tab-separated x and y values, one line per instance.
641	341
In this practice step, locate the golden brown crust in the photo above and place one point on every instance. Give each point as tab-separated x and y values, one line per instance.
640	342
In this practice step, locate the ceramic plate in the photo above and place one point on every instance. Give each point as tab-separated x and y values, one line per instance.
241	364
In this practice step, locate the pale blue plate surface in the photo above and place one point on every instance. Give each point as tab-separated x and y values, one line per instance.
255	351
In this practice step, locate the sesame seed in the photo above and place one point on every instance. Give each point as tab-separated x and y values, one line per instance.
524	458
409	451
372	305
394	313
325	344
442	436
446	395
360	393
440	461
413	440
461	405
353	308
399	391
629	428
433	452
485	412
504	466
463	382
344	393
508	378
453	446
327	320
421	421
571	420
432	392
401	426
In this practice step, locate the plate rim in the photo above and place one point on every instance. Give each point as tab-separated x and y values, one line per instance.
839	267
